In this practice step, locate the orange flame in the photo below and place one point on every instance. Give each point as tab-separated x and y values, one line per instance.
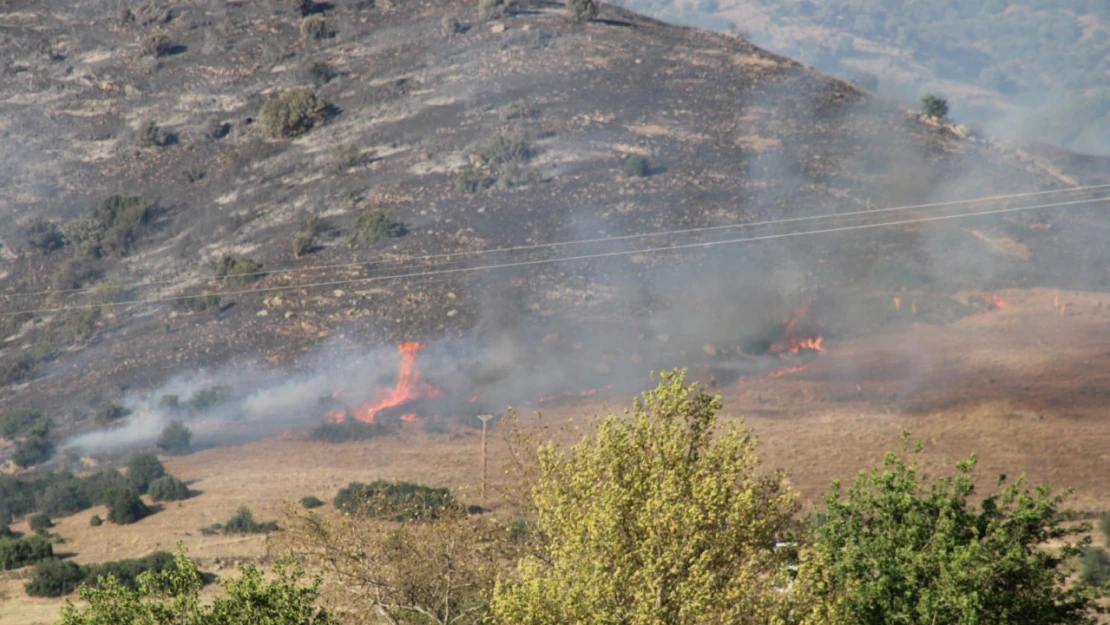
790	344
408	388
788	370
410	418
992	301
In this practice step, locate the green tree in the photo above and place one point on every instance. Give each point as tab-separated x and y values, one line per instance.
168	488
582	10
144	468
176	438
895	550
661	516
172	597
934	107
125	506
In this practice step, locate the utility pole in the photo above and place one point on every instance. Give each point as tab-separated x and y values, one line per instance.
485	419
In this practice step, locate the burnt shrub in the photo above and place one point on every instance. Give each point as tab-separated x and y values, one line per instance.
314	27
156	44
168	488
394	500
450	26
311	502
303	244
40	523
375	225
152	135
19	552
175	438
581	10
125	506
45	235
143	469
292	113
238	270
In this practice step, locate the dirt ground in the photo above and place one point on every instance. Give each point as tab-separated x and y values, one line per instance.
1018	385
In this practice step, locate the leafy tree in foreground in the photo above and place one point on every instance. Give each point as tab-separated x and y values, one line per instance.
895	550
172	597
660	516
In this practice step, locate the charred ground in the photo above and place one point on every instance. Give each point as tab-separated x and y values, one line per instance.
543	110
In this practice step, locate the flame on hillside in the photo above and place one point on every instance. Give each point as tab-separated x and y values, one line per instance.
789	342
992	302
409	387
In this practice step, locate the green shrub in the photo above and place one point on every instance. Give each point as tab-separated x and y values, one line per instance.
143	469
493	9
243	523
152	135
1104	526
635	166
504	149
99	485
96	521
156	44
125	506
57	578
175	438
394	500
207	398
168	488
32	450
472	180
303	244
65	498
16	368
45	235
349	430
197	304
582	10
314	27
374	225
311	502
450	26
40	523
111	227
23	422
80	326
1095	566
934	107
293	113
109	413
517	109
238	270
346	155
19	552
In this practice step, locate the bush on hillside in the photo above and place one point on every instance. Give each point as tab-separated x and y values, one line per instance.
207	398
238	270
311	502
156	44
303	244
1104	526
450	26
19	367
375	225
1095	566
40	523
143	469
23	422
125	506
19	552
168	488
635	166
197	303
109	413
934	107
45	235
57	578
350	430
31	451
65	498
96	521
111	227
293	113
314	27
152	135
243	523
493	9
175	438
582	10
394	500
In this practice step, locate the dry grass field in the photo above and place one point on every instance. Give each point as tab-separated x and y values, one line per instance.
1017	385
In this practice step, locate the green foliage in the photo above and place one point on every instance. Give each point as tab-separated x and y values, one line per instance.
175	438
503	150
449	26
196	303
110	413
56	578
472	179
660	516
40	523
311	502
394	500
152	135
125	506
172	597
346	155
19	552
374	225
156	44
1104	526
24	422
635	166
168	488
18	367
581	10
293	113
80	326
111	227
350	430
895	550
208	398
45	235
933	106
1095	566
96	521
238	270
142	469
243	523
493	9
314	27
64	498
303	244
32	450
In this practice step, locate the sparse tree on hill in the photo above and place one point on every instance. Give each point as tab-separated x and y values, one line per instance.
143	469
934	107
125	506
176	438
660	516
896	550
582	10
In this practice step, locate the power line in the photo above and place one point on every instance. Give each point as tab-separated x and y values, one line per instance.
555	244
668	248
